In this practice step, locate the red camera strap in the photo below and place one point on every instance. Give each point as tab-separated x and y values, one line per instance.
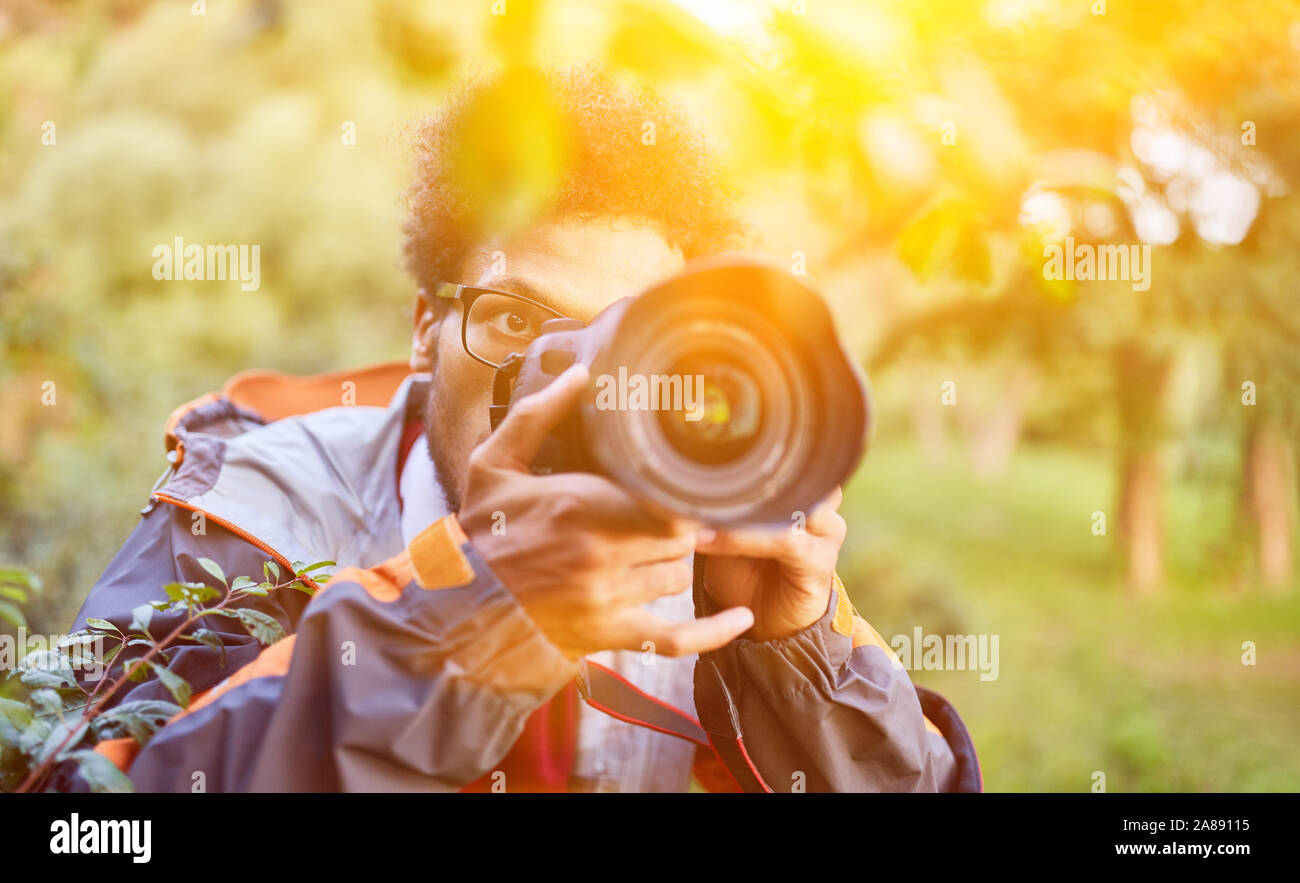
605	690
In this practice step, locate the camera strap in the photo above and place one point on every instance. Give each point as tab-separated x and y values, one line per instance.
605	690
502	386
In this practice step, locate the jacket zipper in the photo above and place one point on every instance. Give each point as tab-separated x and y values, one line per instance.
239	532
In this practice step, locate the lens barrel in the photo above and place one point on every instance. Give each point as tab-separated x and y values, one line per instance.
722	394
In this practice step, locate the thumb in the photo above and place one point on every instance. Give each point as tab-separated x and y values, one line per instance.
517	440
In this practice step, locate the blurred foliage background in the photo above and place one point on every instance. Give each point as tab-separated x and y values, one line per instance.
915	158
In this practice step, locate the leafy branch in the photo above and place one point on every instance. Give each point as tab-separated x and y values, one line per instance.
53	714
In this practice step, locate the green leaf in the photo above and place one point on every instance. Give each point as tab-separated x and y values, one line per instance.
34	736
117	723
136	670
111	656
15	718
316	566
191	593
202	594
507	184
79	639
10	742
100	773
139	719
271	571
45	668
67	734
150	708
211	639
141	617
47	700
16	594
80	648
102	624
248	587
213	568
37	679
260	625
16	713
25	579
46	660
175	684
79	657
12	615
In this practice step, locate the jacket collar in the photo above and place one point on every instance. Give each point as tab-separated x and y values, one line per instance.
308	487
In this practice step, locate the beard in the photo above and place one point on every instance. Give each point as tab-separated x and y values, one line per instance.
441	453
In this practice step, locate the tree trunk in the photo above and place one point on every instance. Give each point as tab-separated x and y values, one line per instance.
1266	484
1142	383
1141	520
995	434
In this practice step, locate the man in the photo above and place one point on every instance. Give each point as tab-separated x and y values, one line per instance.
492	628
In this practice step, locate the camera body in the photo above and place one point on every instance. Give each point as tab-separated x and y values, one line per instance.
722	394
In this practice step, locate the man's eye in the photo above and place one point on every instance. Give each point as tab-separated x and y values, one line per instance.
513	323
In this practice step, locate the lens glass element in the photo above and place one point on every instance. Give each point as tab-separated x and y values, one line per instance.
723	413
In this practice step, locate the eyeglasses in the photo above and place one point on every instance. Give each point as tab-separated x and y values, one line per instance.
494	323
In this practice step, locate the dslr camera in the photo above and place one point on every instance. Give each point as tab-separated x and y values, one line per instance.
722	394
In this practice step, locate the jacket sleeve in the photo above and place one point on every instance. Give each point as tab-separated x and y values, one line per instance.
164	548
829	709
418	674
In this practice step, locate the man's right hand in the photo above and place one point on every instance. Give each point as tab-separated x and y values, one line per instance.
580	554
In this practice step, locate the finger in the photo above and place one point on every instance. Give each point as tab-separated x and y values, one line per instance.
517	440
646	582
833	500
684	638
825	520
776	542
747	542
611	510
646	549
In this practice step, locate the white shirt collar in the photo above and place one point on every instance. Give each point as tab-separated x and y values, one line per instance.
423	501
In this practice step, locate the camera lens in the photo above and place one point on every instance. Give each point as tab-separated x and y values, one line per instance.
731	429
735	401
723	414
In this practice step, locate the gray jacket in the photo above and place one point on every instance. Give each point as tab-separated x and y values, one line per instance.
414	668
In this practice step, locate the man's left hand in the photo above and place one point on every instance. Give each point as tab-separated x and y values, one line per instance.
783	575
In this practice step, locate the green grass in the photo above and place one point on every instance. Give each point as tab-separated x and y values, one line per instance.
1149	690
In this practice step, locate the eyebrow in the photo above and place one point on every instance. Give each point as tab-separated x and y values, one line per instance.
515	285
